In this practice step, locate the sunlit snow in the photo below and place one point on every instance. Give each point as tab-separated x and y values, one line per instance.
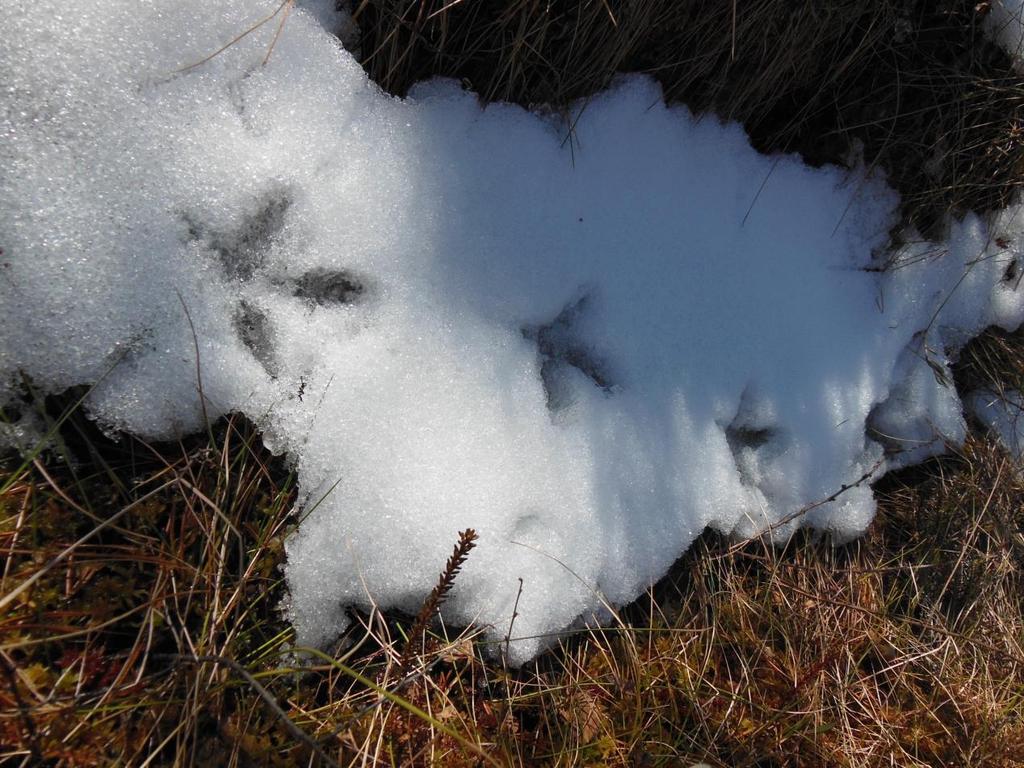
587	347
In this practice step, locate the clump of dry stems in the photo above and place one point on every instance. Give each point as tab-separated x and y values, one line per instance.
913	86
158	638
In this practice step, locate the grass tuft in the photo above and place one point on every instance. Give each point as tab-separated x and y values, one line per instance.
157	640
913	88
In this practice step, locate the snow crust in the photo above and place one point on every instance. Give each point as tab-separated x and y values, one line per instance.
448	316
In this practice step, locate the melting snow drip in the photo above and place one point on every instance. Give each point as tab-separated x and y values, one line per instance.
449	320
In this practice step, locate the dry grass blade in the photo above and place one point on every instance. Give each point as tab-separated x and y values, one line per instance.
67	551
286	6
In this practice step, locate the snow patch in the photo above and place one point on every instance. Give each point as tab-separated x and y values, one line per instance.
1005	25
450	316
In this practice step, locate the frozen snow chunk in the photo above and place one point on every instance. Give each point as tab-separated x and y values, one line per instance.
922	414
334	18
22	430
1003	415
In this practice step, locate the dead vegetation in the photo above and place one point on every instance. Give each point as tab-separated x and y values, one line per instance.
911	86
140	583
157	641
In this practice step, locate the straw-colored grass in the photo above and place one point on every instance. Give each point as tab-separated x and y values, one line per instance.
157	640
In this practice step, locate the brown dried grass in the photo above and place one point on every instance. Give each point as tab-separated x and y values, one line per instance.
912	86
158	642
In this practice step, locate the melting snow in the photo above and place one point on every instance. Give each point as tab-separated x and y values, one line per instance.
1001	414
450	316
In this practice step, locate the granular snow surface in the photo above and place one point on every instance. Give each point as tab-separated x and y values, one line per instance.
588	349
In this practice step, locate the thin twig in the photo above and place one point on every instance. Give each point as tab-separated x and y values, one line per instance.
808	508
512	621
234	40
199	372
277	33
445	582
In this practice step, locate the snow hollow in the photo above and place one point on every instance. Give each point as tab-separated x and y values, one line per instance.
451	316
